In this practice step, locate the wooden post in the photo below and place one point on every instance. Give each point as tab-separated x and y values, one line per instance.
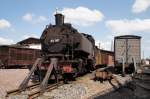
48	73
24	84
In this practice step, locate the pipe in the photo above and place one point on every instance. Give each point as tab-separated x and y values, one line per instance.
123	67
135	67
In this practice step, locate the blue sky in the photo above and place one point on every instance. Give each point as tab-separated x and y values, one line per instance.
103	19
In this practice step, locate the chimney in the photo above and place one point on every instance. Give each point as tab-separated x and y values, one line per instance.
59	19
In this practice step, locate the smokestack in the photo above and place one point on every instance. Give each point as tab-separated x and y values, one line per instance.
59	19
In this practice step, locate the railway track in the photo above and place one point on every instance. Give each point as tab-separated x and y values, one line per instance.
33	91
37	93
16	91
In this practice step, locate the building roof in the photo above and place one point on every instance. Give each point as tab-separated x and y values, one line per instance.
128	37
17	46
30	40
106	51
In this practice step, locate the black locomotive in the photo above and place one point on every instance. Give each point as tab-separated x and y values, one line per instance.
66	54
74	51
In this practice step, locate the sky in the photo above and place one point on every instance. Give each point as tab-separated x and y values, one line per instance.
103	19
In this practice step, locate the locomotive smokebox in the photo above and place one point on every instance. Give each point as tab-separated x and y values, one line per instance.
59	19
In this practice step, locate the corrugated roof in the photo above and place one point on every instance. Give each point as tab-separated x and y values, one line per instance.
30	40
128	37
17	46
106	51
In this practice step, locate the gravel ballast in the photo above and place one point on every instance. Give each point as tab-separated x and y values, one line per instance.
69	91
85	88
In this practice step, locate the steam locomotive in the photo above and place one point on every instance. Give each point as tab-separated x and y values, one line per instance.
74	51
66	54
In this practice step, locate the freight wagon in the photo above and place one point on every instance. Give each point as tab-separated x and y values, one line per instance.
103	58
17	57
127	50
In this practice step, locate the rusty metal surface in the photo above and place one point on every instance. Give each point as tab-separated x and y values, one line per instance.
104	57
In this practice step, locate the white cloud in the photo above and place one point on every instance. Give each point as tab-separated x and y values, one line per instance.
28	17
4	24
125	26
140	6
32	18
82	16
145	47
40	19
106	45
4	41
147	41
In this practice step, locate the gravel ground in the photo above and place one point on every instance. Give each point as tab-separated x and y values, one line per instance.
18	97
69	91
84	88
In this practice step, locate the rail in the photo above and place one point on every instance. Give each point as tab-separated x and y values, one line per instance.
16	91
33	91
37	93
